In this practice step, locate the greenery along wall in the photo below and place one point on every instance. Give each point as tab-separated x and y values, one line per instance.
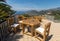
5	11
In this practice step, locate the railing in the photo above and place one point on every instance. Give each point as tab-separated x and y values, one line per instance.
3	30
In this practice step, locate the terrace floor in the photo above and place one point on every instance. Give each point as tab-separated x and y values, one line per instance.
54	35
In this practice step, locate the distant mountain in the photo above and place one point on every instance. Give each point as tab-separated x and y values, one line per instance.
19	12
35	12
58	8
32	12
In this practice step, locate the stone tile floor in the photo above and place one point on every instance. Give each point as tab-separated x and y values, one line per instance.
54	35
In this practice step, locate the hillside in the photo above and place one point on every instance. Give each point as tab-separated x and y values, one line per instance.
32	12
35	12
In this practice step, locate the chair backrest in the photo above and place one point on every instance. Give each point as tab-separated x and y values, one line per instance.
11	20
47	28
20	17
38	18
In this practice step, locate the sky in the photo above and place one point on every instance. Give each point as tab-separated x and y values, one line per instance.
23	5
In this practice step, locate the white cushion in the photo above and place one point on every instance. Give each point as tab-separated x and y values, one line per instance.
14	25
40	29
20	21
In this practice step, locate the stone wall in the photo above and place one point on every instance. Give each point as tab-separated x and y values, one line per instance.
51	18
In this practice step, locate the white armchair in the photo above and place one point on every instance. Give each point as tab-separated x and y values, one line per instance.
43	30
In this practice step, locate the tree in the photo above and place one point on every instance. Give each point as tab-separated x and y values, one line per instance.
3	0
5	11
26	15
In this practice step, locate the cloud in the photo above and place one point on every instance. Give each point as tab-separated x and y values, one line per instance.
24	7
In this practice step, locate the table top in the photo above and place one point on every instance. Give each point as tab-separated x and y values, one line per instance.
30	22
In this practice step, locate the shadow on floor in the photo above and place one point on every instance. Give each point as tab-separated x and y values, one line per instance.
49	37
14	36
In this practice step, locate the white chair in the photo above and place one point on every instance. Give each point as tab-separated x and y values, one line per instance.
13	25
43	30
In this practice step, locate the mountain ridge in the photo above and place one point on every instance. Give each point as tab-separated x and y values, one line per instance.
35	12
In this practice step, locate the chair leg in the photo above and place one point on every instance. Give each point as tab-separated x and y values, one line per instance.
44	38
14	30
35	34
